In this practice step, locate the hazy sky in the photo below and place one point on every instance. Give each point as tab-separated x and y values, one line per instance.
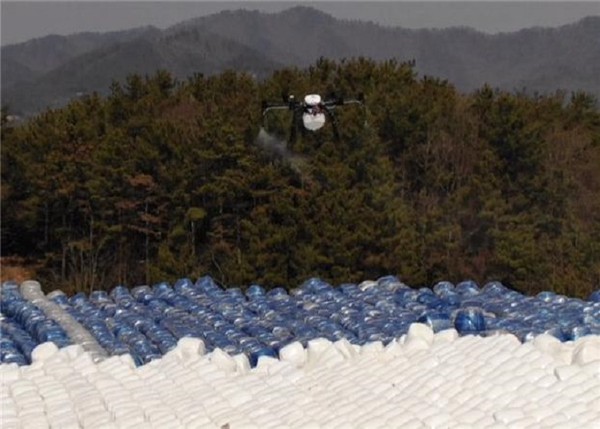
23	20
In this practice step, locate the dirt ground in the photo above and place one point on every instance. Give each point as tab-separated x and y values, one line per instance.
16	269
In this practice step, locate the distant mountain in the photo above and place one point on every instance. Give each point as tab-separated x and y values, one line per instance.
183	53
51	70
38	56
545	59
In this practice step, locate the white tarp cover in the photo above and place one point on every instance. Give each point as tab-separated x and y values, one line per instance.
32	291
424	380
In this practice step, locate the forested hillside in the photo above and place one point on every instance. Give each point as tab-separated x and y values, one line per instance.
164	179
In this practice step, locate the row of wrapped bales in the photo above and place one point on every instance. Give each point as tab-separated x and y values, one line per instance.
147	322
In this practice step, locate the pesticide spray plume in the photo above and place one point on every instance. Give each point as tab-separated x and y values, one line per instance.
278	148
273	144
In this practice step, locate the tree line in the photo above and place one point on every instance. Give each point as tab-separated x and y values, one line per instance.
165	178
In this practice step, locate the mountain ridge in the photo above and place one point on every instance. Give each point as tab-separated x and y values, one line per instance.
49	71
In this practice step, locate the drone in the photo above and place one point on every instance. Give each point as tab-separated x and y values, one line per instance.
311	113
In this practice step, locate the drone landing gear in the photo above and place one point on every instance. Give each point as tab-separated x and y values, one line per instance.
334	124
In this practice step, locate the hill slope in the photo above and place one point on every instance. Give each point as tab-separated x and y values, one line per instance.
184	53
49	71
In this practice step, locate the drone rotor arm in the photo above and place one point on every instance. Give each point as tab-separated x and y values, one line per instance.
340	101
268	107
353	101
330	105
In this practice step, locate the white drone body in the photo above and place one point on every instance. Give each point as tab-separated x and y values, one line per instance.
312	100
311	113
314	118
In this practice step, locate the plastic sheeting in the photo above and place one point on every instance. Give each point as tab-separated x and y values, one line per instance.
32	291
23	326
148	321
425	380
